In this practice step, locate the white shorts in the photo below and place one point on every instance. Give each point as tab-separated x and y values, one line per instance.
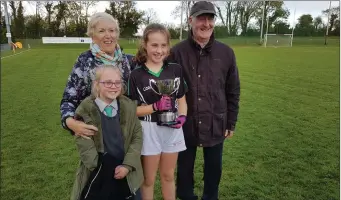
161	139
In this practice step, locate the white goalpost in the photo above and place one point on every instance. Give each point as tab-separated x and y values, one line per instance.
278	40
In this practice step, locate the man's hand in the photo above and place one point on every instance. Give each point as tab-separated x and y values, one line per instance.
228	134
120	172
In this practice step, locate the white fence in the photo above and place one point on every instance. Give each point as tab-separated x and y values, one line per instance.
66	40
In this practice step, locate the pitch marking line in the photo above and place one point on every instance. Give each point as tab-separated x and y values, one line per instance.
15	54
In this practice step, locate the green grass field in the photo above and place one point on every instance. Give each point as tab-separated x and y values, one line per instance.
286	144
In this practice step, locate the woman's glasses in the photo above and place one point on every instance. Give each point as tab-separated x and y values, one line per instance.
109	84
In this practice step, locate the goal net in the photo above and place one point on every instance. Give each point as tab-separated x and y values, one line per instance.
278	40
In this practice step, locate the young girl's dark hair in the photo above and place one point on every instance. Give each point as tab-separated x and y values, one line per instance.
141	55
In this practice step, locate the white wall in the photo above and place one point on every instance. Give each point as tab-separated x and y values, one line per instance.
66	40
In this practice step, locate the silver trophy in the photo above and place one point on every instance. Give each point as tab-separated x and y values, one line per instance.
166	87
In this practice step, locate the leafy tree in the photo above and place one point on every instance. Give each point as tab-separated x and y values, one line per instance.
247	11
49	9
76	19
61	12
281	27
305	26
13	5
274	11
173	31
3	30
128	16
20	22
318	23
34	27
334	19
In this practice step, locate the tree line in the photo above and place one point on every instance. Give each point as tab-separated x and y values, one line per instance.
244	18
67	18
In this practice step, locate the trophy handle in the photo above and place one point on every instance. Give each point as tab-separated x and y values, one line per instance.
150	84
176	85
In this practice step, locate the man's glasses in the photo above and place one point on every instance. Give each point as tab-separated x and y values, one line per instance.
109	84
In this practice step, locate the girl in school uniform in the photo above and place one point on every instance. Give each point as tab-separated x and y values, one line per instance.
110	166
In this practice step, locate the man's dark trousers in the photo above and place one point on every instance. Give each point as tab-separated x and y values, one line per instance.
212	172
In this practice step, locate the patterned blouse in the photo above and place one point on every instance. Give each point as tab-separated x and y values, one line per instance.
79	82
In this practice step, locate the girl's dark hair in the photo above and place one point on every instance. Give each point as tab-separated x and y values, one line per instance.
141	55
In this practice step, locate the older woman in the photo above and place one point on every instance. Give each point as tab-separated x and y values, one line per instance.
104	31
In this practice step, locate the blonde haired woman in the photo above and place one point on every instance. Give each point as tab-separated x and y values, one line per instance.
110	166
104	31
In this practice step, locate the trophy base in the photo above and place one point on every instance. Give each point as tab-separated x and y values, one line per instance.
166	123
166	119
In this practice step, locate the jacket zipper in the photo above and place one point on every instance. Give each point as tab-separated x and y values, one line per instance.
93	181
100	167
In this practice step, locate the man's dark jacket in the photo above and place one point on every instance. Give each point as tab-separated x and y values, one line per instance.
213	90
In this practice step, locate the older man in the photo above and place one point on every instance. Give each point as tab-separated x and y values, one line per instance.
213	100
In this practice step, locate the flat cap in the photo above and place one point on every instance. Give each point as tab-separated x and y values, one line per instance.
202	7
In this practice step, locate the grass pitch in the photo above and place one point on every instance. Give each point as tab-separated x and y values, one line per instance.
286	144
